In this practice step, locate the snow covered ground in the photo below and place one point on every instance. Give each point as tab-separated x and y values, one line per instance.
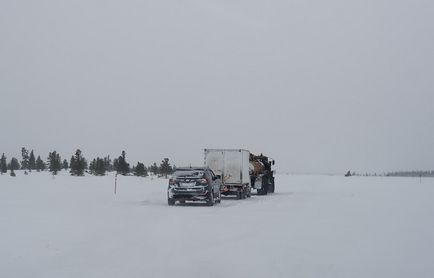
313	226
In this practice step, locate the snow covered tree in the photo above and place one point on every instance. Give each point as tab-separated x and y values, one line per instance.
78	164
40	165
123	167
165	168
25	161
14	164
32	161
54	162
3	164
140	170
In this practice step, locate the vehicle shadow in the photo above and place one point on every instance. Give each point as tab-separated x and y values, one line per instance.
230	198
191	204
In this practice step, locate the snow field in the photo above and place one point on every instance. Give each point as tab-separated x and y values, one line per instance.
313	226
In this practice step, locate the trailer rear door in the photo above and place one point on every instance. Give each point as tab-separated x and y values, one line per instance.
231	164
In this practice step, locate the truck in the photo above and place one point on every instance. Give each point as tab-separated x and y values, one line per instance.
241	171
261	174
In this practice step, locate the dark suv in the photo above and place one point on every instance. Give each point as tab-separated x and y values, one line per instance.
194	184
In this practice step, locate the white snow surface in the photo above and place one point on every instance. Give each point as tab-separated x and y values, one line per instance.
313	226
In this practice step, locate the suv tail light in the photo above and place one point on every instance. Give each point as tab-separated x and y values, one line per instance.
203	181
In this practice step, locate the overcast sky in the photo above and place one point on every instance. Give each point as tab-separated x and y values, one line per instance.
321	86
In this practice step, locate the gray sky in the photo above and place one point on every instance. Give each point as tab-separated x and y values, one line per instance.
321	86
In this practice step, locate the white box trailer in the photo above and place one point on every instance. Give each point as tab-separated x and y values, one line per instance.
233	167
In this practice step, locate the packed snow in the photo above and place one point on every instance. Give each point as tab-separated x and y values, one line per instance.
313	226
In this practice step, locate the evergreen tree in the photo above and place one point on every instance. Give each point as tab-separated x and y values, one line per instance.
40	165
165	168
13	173
25	161
54	162
99	167
78	164
140	170
32	161
115	164
154	169
14	164
3	164
65	164
123	167
92	166
108	164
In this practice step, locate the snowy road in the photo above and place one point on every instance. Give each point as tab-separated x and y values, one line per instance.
314	226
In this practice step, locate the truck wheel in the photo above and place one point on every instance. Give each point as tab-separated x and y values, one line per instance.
265	186
249	192
210	201
245	193
170	201
272	186
264	189
239	195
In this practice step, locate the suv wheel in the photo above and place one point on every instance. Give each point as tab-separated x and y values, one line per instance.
219	199
170	201
210	201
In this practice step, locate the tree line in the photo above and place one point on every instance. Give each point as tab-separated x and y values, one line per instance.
411	174
78	165
416	173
